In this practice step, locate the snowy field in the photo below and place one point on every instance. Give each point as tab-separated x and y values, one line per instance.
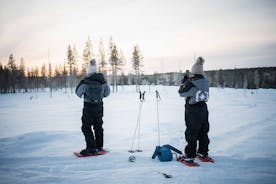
38	136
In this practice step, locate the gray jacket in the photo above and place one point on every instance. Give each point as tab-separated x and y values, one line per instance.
83	86
195	90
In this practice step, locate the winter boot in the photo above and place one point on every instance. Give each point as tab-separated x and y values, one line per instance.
88	152
186	159
204	157
101	151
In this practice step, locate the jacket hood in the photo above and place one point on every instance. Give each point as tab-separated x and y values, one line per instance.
99	77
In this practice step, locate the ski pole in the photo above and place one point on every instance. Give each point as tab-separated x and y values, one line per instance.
142	99
158	98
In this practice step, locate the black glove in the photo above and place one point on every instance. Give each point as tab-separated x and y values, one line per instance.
185	78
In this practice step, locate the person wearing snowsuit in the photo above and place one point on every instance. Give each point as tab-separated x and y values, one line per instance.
93	87
196	92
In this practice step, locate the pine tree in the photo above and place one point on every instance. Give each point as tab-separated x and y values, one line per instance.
76	56
22	76
71	61
137	65
111	44
122	64
75	68
43	73
102	62
257	78
87	55
64	77
12	69
1	78
11	63
50	76
58	77
36	74
115	65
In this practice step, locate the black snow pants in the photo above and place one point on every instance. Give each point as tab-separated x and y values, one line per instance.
92	116
197	128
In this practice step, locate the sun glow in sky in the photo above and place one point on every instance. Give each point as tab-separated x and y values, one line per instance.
170	33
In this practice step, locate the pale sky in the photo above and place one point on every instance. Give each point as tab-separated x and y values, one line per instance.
170	33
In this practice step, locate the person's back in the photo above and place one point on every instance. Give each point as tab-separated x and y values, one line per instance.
94	88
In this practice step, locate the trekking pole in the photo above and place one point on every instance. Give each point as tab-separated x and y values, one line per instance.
142	99
158	98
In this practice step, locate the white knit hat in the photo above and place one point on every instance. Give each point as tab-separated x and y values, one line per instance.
197	68
92	67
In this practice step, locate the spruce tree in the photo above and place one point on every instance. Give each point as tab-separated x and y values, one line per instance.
87	55
115	65
64	77
137	65
71	61
1	78
12	69
102	62
50	76
43	73
22	76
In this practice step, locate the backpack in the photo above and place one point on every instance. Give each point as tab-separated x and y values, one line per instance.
164	153
94	92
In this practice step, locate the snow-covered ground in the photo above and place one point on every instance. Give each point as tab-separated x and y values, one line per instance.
38	136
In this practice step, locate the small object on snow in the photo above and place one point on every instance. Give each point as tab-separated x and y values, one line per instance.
131	158
138	150
164	174
167	175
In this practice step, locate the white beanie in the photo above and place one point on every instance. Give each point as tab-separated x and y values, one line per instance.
92	67
197	68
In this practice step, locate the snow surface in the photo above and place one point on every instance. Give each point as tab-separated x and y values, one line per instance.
38	136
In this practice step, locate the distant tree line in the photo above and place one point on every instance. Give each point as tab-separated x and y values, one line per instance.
248	78
16	77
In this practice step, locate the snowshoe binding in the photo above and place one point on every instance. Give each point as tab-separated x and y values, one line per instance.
204	158
187	161
86	153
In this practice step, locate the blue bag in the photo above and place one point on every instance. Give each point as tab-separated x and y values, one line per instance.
164	153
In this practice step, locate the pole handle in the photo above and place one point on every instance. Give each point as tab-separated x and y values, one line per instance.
142	96
157	94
